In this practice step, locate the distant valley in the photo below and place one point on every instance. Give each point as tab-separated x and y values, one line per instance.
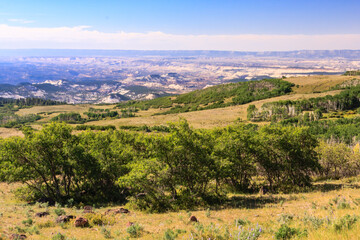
98	76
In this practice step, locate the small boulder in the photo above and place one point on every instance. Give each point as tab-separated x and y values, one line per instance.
81	222
88	209
64	218
123	210
16	236
41	214
129	224
193	219
117	211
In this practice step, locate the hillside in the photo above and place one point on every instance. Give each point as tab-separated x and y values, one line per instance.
216	97
156	112
240	180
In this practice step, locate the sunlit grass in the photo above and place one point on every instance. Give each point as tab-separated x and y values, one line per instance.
268	211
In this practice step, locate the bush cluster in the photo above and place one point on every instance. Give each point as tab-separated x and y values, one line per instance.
181	169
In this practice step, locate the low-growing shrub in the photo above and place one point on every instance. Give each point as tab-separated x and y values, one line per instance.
99	219
28	222
345	222
135	230
47	224
241	222
285	232
314	221
105	232
285	218
59	211
172	234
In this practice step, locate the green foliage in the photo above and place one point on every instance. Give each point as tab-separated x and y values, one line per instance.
29	102
64	165
337	160
172	234
212	231
59	211
216	96
58	236
145	128
135	230
352	73
345	222
285	232
208	213
28	222
95	127
97	219
98	114
68	118
182	169
287	156
105	232
46	224
308	109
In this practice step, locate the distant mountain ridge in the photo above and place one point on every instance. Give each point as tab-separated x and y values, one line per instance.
350	54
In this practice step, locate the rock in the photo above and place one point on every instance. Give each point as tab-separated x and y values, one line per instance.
15	236
129	224
117	211
88	209
193	219
123	210
42	214
64	218
81	222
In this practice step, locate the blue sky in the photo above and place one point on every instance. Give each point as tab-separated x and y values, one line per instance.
181	19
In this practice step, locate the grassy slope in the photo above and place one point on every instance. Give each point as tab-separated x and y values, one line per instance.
316	83
200	119
263	210
218	117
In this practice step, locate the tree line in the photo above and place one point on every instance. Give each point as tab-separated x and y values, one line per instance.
180	169
275	111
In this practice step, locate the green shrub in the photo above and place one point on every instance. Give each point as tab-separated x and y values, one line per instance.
172	235
345	222
106	232
27	222
47	224
135	230
285	232
59	211
99	219
241	222
58	236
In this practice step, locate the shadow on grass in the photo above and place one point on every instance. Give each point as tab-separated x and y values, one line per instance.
327	187
251	202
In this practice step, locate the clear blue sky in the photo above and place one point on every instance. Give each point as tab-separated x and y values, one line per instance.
251	25
189	16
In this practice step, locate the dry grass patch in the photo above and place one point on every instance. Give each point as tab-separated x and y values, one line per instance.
10	132
318	83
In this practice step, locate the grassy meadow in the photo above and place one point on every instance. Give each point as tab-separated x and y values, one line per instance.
318	214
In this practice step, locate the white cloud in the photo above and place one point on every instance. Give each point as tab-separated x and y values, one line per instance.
19	20
83	37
